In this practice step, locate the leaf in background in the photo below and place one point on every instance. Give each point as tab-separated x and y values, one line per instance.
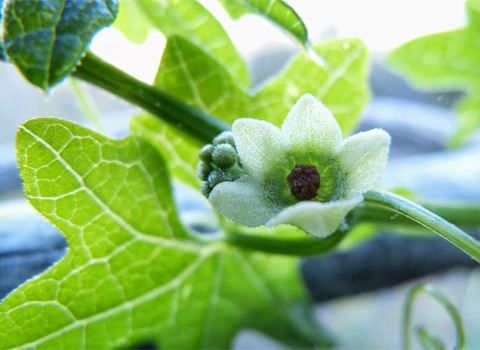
132	22
197	78
469	109
448	60
131	275
277	11
179	150
341	84
46	39
191	20
441	61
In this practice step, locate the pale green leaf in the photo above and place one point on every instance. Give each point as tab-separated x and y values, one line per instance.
341	84
473	11
199	79
441	61
179	150
132	22
469	117
131	275
46	39
191	20
444	61
277	11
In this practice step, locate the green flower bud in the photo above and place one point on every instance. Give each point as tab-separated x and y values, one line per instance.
224	137
206	188
205	153
203	170
218	176
224	156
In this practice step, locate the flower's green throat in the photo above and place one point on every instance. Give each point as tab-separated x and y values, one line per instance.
304	182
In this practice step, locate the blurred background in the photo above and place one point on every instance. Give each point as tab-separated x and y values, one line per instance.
420	123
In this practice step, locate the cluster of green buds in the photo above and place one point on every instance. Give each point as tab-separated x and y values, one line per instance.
219	162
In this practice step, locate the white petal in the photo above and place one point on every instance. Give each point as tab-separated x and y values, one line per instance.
311	126
258	143
316	218
363	158
242	201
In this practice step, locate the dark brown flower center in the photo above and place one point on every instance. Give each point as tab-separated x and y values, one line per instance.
304	182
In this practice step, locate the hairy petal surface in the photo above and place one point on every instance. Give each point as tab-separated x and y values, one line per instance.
363	158
257	143
315	218
243	202
310	126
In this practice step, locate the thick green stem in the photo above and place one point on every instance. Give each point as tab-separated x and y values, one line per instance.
427	219
302	246
154	100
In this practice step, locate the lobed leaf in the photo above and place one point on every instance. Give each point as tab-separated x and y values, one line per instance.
277	11
198	78
46	39
131	275
341	84
191	20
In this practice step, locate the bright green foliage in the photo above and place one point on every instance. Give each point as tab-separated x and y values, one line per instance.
448	60
131	275
341	84
191	74
179	150
46	39
191	20
277	11
131	21
194	76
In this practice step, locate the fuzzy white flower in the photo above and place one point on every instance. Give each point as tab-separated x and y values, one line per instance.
302	174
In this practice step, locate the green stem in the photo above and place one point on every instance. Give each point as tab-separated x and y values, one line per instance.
407	314
302	246
193	121
427	219
462	214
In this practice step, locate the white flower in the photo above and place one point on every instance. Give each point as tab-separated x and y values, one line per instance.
302	174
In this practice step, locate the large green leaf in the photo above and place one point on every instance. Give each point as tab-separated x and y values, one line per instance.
448	60
46	39
131	274
191	20
277	11
341	84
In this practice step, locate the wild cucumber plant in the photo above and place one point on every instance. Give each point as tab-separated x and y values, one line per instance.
134	272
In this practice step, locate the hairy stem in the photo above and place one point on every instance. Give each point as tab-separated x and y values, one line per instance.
192	121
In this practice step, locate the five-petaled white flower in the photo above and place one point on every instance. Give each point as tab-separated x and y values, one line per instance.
302	174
